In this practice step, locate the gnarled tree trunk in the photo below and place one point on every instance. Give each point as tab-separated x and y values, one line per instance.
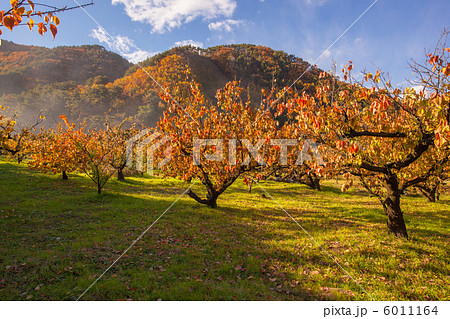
213	194
396	224
313	181
210	201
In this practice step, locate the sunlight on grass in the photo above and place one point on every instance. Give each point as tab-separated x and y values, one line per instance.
58	236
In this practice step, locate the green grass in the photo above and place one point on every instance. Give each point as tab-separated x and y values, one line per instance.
58	236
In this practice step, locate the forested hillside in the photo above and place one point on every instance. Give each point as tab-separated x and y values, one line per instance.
24	67
87	82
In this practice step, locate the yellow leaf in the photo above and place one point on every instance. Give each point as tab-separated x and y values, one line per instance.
421	112
56	20
30	24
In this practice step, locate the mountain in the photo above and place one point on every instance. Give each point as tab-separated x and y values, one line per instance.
24	67
255	66
87	82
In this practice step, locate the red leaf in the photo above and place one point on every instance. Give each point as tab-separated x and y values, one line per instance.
9	22
53	30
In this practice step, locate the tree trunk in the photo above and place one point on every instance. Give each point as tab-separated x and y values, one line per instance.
429	192
120	175
213	194
64	176
99	184
249	189
396	224
313	181
210	201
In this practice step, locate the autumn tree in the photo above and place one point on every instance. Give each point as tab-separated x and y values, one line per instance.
6	129
139	89
391	139
56	151
119	136
13	140
216	143
96	148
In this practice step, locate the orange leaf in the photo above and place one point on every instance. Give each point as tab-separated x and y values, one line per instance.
21	11
42	28
53	30
434	59
446	70
31	4
9	22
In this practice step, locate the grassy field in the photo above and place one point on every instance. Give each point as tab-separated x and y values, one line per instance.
58	236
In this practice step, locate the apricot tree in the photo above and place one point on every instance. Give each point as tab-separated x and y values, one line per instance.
391	139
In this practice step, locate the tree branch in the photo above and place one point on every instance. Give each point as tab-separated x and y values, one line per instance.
425	142
353	133
191	194
374	168
424	177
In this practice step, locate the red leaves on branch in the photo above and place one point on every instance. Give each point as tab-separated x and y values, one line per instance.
15	15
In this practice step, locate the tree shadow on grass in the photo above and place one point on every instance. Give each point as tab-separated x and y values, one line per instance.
191	253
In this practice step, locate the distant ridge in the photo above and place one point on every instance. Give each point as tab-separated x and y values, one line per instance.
23	67
87	82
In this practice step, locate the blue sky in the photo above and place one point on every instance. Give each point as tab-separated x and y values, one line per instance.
386	36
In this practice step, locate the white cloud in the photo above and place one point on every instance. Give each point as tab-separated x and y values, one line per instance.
226	25
315	3
419	88
164	15
122	44
138	56
197	44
